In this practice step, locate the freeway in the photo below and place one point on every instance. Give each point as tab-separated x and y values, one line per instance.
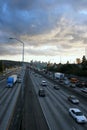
8	103
33	118
45	113
55	105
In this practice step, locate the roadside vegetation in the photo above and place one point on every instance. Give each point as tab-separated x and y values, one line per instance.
5	64
79	69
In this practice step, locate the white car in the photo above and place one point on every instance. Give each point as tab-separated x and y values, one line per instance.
19	80
66	82
73	99
73	85
44	83
84	90
77	115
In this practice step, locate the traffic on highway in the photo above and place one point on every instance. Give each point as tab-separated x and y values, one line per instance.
58	103
63	107
10	97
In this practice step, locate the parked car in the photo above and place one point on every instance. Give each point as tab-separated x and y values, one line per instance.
44	83
56	87
41	92
73	99
77	115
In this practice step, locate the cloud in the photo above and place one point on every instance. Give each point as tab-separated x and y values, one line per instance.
43	23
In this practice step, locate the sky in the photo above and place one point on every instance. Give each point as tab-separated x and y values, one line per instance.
51	30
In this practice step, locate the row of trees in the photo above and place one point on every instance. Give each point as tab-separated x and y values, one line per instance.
5	64
76	69
79	69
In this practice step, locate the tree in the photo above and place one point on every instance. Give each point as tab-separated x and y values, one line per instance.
67	62
84	63
83	59
1	68
78	61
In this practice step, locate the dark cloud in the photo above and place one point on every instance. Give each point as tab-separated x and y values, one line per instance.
26	16
21	20
62	20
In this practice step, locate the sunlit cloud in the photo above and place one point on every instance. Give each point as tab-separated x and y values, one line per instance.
48	28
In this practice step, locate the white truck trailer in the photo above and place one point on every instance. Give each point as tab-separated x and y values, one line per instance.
58	75
11	80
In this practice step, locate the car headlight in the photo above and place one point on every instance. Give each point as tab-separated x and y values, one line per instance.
78	120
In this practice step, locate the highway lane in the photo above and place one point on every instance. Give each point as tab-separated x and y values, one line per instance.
77	89
55	106
8	99
33	118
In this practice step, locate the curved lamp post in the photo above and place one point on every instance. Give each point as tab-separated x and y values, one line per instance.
23	47
22	66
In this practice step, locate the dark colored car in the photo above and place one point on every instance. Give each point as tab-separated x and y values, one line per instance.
78	84
73	99
81	84
56	87
41	92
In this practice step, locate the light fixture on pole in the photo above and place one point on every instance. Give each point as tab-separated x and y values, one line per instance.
23	47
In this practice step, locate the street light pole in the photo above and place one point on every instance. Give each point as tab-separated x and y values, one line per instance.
22	85
22	76
23	47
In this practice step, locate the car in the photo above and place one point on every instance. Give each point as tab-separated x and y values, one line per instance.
66	82
19	75
84	90
56	87
4	75
41	92
61	80
19	80
72	85
78	84
73	99
44	83
35	75
86	84
81	84
77	115
73	80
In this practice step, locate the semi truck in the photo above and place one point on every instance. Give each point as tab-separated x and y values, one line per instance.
11	80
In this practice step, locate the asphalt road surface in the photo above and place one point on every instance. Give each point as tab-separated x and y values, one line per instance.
55	105
33	118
